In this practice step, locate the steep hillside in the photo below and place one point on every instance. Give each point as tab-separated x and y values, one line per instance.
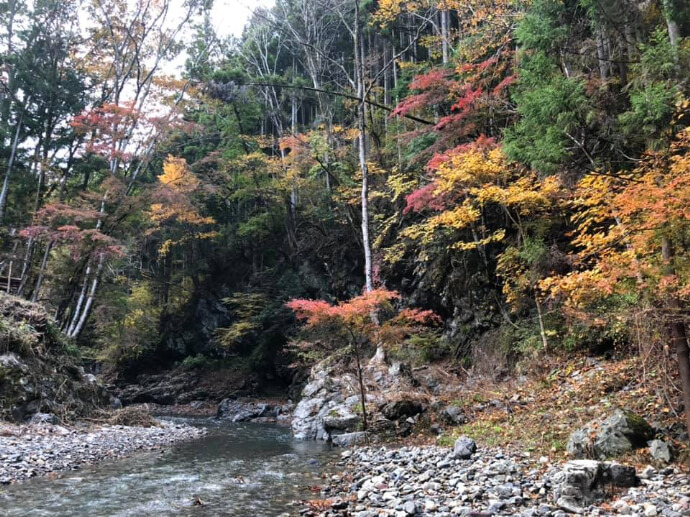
40	376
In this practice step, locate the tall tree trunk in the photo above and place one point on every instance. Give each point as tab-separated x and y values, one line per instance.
670	12
542	327
41	272
601	55
677	335
361	125
444	36
26	265
293	187
89	301
80	301
362	391
6	183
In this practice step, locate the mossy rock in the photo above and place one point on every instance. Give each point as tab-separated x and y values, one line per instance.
619	433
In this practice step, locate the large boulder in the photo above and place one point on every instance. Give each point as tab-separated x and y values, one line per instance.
581	483
350	439
401	409
341	418
330	406
238	411
621	432
305	420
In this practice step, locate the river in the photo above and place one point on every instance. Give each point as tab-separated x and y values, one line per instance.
246	469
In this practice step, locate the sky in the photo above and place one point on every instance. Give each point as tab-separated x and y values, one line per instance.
230	16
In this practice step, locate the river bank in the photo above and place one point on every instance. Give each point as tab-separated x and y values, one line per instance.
234	469
35	450
428	480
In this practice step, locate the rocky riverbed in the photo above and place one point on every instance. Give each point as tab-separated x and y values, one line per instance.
426	481
40	449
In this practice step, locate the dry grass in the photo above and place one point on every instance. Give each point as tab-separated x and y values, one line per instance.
134	416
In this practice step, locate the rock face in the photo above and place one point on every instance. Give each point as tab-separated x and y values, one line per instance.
329	407
617	434
237	411
178	387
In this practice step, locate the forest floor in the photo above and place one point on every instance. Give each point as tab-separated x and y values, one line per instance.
538	411
521	425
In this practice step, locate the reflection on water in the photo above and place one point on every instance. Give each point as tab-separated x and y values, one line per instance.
237	469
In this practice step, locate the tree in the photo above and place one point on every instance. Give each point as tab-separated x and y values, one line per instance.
630	239
365	319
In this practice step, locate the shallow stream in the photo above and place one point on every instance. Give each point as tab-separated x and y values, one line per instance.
251	470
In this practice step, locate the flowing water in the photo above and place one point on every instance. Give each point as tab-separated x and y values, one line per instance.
251	470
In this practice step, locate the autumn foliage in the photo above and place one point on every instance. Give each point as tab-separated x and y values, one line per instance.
369	318
623	224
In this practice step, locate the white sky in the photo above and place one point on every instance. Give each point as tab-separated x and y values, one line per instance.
230	16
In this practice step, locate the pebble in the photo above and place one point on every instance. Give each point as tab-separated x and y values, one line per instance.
37	450
426	481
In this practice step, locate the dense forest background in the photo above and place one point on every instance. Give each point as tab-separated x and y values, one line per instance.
521	168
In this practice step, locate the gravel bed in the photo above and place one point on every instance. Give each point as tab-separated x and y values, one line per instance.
38	450
428	481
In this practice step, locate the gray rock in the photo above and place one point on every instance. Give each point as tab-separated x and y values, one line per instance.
115	403
339	422
660	451
577	485
90	378
410	508
402	409
464	448
350	439
305	423
11	361
453	415
621	475
617	434
43	418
